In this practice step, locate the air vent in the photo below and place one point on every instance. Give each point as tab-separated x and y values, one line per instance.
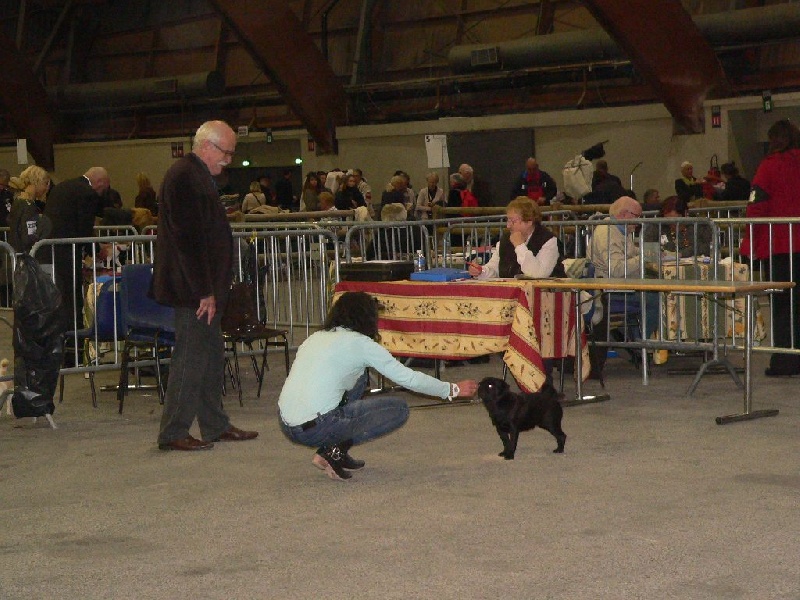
165	86
484	57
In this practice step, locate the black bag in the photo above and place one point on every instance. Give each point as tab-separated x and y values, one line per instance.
38	343
240	310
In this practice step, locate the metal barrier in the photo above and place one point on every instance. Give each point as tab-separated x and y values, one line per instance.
292	272
389	240
80	265
6	270
107	230
769	266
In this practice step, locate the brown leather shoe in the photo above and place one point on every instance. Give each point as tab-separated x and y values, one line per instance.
187	444
234	434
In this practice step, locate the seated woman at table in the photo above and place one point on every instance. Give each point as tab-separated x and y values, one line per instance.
527	247
321	402
686	239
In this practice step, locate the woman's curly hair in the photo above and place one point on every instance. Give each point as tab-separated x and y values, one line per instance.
356	311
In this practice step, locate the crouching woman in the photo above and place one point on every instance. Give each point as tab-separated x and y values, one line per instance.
322	405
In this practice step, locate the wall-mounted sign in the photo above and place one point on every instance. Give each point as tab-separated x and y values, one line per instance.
716	117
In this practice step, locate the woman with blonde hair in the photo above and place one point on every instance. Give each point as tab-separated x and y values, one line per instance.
146	198
27	224
254	198
429	196
527	247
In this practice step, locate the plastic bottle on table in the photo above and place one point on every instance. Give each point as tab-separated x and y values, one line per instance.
419	263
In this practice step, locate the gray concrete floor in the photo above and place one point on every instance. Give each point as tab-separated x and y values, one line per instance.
651	500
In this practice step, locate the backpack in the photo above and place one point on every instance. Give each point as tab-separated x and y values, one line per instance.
577	177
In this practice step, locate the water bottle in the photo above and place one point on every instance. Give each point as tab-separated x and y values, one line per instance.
419	263
467	253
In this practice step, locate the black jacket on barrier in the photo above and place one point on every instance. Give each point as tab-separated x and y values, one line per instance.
38	346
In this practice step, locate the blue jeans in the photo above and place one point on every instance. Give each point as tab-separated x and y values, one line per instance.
359	419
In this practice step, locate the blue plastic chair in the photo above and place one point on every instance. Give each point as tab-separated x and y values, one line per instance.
107	323
148	324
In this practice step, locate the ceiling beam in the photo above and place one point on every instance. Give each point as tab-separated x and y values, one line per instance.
292	61
668	50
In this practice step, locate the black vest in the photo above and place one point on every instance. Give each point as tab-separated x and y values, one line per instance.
509	267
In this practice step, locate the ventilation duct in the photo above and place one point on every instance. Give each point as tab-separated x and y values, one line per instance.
728	29
484	57
208	84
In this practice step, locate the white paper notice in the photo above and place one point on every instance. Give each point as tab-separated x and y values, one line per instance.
436	146
22	151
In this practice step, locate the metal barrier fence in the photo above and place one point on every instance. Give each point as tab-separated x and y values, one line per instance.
294	270
6	270
757	239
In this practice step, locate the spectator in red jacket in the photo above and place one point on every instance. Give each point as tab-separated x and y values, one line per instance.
775	194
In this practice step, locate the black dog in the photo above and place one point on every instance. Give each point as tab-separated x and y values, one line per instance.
512	413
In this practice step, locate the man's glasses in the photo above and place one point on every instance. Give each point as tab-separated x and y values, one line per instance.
633	214
228	153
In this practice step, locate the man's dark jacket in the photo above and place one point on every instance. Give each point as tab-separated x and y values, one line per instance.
547	183
71	207
194	247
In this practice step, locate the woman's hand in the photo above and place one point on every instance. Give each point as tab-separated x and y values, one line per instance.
474	269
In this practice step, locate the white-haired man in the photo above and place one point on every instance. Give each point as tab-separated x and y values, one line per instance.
192	272
614	254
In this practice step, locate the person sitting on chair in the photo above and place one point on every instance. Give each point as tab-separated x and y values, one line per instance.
684	239
527	247
614	254
327	410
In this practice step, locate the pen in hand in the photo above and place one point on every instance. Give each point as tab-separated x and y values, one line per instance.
474	269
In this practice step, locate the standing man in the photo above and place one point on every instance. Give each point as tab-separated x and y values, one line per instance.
265	181
365	189
71	207
192	272
284	194
535	184
476	185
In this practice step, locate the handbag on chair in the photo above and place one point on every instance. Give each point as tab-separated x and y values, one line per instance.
240	311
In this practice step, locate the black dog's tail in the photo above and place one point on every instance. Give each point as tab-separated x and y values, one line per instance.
549	391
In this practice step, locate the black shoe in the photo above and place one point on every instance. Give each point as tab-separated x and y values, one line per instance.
329	459
348	462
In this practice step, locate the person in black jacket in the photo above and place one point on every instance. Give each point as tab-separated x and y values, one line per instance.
192	272
527	247
736	186
72	206
535	184
349	198
688	188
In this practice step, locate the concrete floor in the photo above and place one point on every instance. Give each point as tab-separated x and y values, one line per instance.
651	500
